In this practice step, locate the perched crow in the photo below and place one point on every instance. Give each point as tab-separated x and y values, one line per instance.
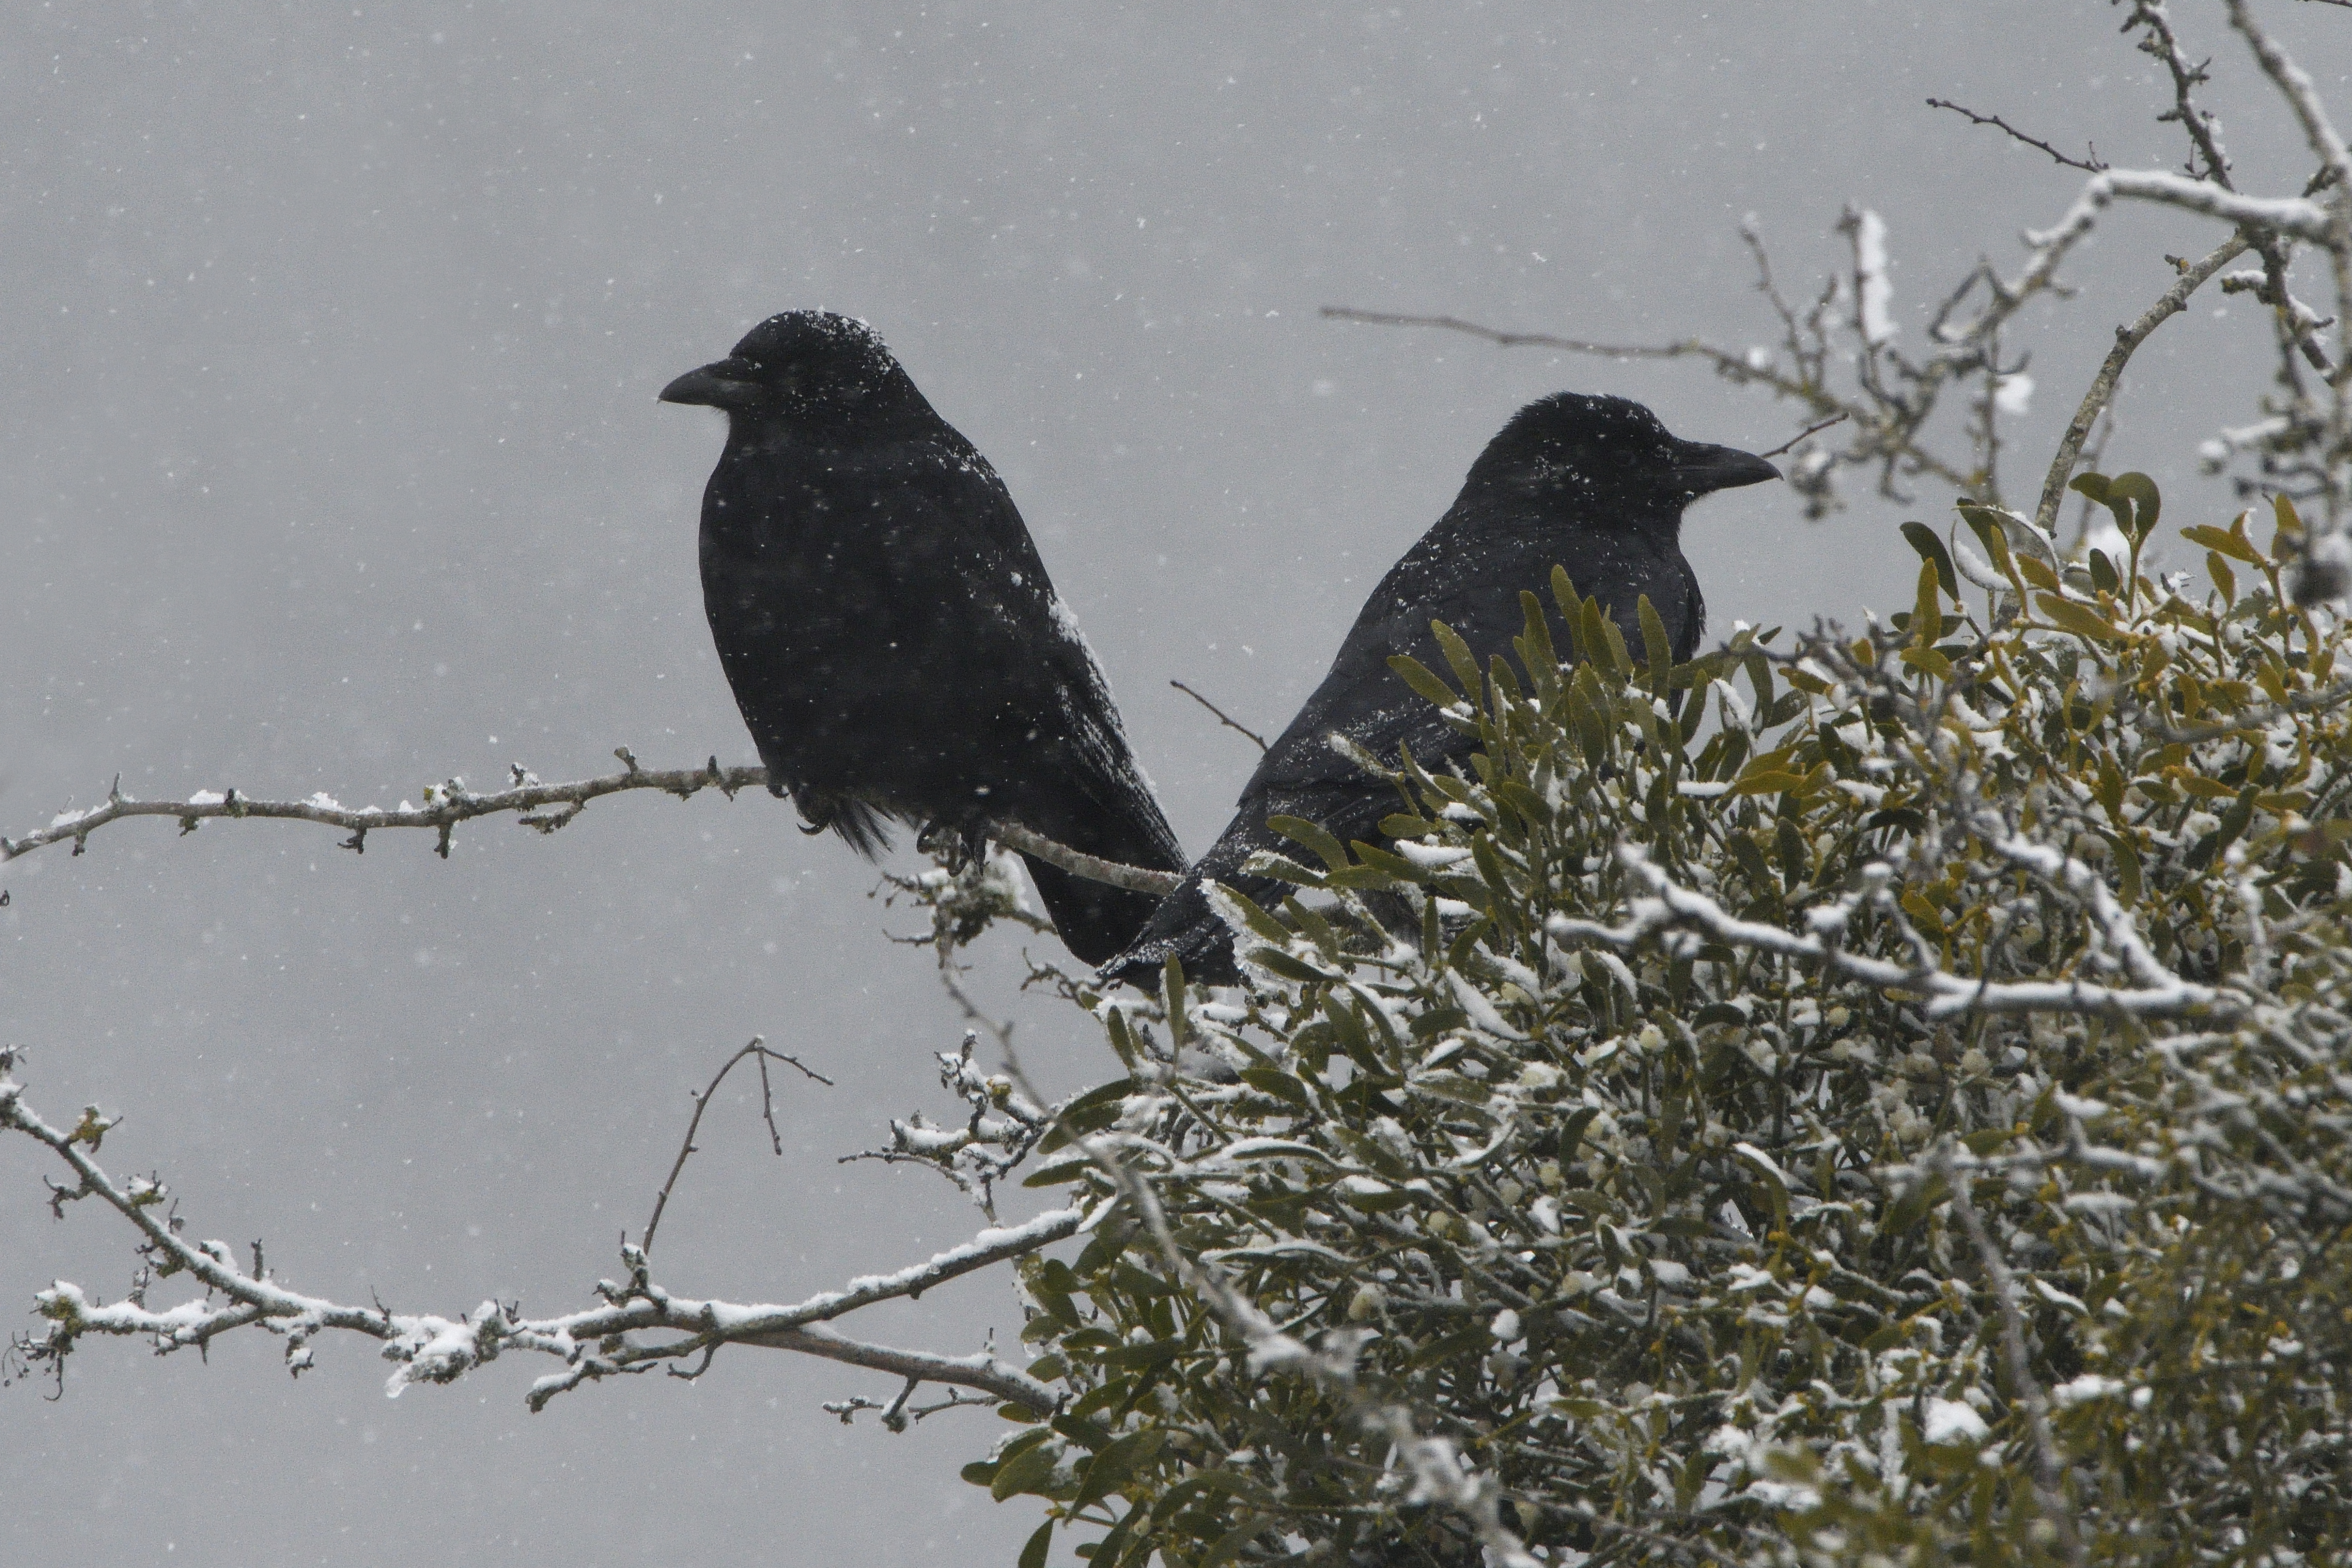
1593	484
889	632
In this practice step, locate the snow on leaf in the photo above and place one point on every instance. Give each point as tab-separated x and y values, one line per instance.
2083	1390
1949	1421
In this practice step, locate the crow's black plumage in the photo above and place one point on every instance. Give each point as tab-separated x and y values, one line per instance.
1593	484
889	629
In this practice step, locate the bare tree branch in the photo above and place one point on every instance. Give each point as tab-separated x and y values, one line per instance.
545	807
2091	165
1897	396
897	1414
2302	94
2209	161
2204	133
1884	434
1737	366
1004	1126
2335	171
1506	339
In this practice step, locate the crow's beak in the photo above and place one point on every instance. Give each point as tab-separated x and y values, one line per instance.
1701	468
722	383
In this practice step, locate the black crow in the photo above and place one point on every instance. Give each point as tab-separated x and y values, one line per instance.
1593	484
889	632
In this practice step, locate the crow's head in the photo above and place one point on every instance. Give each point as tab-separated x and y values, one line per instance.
803	365
1612	450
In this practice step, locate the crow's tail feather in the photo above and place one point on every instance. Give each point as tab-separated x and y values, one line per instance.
1094	919
1186	928
859	825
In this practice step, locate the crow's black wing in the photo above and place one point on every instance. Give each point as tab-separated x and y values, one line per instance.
1080	784
896	648
1467	572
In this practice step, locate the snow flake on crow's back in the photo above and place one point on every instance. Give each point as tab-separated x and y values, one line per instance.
1068	625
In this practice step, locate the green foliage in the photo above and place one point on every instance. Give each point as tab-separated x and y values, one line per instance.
1627	1174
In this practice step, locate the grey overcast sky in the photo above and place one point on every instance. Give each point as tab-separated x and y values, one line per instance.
330	460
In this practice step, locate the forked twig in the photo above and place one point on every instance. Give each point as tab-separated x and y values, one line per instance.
757	1048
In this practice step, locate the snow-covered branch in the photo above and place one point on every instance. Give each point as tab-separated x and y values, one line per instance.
2295	216
2295	84
2157	993
1004	1126
430	1348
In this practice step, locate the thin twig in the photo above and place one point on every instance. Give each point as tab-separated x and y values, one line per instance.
1502	339
1810	430
2092	166
1886	435
2102	390
758	1048
1736	368
898	1414
1000	1135
1222	717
